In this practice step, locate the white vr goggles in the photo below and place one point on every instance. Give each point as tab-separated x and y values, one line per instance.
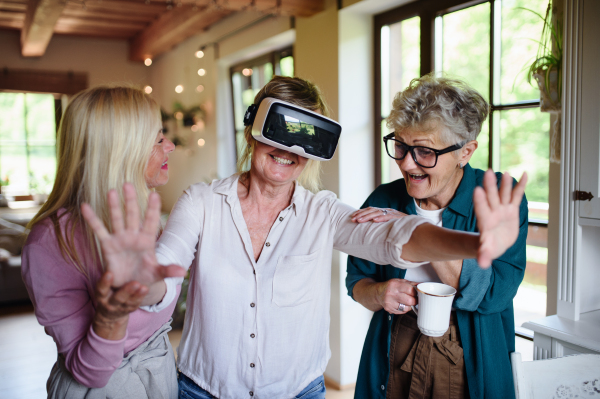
293	128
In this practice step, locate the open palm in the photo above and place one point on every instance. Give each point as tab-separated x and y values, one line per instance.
497	215
129	251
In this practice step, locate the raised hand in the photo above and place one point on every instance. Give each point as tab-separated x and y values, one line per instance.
497	215
129	251
372	214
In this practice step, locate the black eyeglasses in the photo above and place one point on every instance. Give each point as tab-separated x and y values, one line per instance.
425	157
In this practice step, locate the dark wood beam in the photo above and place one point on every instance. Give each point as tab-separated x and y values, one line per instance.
42	81
40	18
171	29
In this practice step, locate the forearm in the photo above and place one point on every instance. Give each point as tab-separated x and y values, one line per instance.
432	243
449	271
109	328
156	293
365	292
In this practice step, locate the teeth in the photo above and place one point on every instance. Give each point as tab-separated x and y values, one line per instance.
282	161
164	163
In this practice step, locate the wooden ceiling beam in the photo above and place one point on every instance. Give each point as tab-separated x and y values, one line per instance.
287	8
13	6
171	29
40	18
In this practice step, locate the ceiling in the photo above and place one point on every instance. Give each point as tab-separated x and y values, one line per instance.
152	26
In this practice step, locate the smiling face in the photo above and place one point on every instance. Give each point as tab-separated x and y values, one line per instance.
435	186
157	171
276	166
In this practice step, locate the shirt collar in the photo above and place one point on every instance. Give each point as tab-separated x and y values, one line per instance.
462	203
228	187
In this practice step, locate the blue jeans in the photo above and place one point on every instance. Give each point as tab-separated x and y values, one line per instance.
188	389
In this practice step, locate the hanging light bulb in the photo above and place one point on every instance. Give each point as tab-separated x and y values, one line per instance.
148	61
178	89
199	54
148	89
201	71
200	88
201	142
247	71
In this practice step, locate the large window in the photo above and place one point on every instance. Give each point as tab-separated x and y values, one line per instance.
487	44
249	77
27	143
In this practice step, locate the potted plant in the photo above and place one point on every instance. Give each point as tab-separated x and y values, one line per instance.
546	69
189	115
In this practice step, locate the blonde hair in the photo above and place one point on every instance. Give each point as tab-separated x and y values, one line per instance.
299	92
451	102
105	139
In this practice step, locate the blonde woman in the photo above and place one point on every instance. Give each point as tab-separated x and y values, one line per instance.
259	245
107	346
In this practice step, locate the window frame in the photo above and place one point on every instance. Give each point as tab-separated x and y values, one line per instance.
274	57
428	11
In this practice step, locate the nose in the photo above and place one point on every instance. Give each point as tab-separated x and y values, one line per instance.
408	162
168	145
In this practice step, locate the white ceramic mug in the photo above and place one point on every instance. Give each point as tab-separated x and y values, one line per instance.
435	305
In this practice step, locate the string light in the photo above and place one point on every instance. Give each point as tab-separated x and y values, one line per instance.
201	72
200	88
148	89
179	115
201	142
199	54
148	62
178	89
247	72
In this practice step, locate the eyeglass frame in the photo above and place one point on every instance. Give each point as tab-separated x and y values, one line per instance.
410	148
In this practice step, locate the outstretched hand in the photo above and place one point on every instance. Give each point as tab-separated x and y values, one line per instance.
497	215
129	251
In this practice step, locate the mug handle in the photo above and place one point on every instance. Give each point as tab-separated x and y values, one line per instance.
415	310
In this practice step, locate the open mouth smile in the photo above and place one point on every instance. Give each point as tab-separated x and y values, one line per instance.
417	176
281	161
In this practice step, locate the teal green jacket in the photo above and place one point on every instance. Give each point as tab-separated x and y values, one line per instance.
484	306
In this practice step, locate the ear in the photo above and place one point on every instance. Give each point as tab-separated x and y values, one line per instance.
467	152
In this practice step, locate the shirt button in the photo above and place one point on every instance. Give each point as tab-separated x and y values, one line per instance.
252	305
252	365
268	244
251	393
280	219
252	335
382	388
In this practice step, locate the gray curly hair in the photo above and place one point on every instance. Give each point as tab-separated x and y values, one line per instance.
451	102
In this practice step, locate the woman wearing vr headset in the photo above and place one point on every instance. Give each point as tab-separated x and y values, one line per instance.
436	122
260	244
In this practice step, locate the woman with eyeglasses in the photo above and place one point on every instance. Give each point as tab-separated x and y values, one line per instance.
436	122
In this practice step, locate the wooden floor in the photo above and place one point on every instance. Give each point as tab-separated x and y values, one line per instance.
27	355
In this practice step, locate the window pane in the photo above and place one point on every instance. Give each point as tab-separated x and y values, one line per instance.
400	59
466	46
12	121
389	168
480	157
13	166
42	164
287	66
41	127
521	31
525	143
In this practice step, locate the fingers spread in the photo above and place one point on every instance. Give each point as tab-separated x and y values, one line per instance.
519	190
131	207
482	207
152	214
116	216
172	271
505	188
95	223
103	286
491	189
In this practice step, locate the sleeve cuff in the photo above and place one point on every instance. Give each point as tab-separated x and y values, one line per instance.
169	297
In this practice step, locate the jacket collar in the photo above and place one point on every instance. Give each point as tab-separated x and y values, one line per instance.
462	203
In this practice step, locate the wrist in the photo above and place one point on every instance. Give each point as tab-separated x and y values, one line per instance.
108	327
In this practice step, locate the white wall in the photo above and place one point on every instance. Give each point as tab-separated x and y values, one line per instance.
105	61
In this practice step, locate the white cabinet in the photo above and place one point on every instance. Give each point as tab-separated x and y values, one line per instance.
576	327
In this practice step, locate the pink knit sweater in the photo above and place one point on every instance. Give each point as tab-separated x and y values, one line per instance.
64	304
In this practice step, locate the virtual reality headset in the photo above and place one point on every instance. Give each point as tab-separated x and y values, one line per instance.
293	128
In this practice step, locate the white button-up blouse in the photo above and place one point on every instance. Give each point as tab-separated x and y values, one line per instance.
261	329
